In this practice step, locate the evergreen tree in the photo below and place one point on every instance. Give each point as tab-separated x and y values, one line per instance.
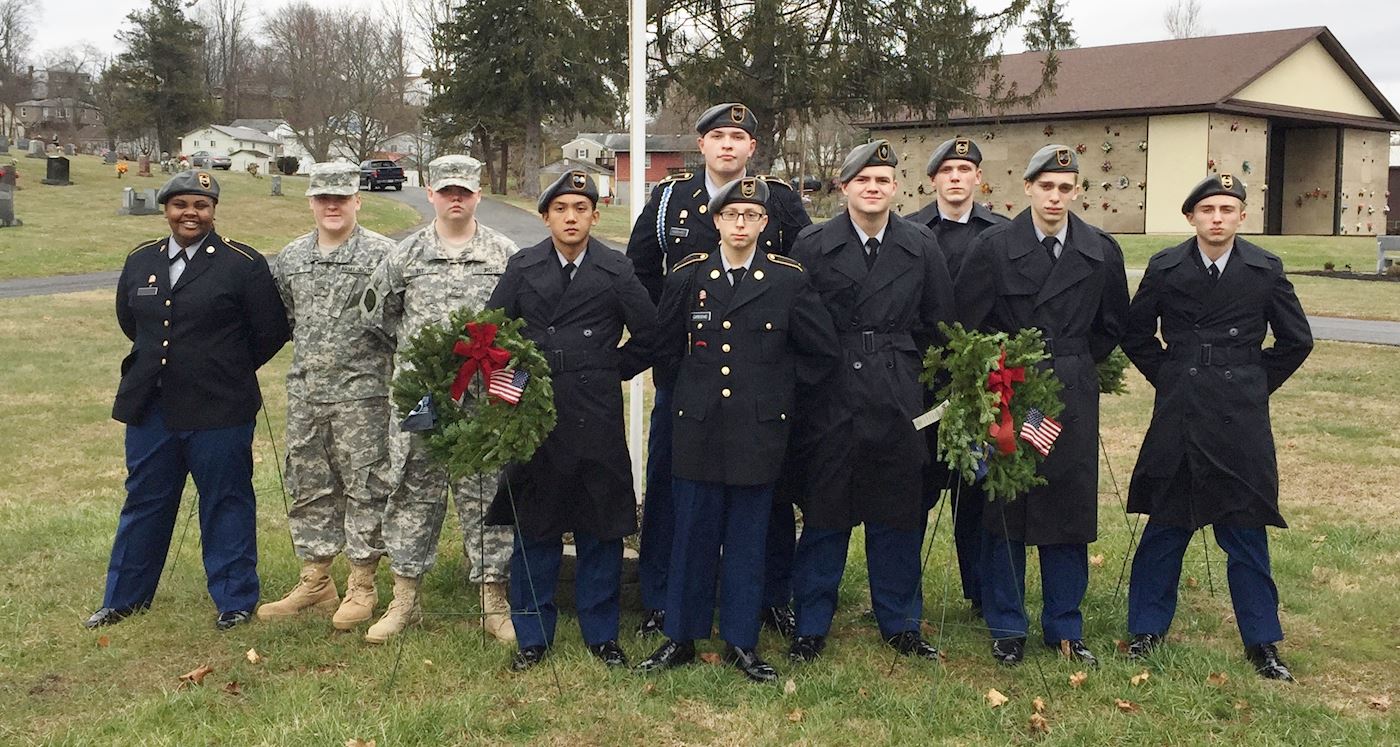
1048	29
159	76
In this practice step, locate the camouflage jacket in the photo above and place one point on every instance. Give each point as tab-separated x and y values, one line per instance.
417	284
334	358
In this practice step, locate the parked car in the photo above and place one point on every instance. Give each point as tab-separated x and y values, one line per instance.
380	174
203	159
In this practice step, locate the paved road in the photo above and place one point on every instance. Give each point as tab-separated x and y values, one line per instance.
526	229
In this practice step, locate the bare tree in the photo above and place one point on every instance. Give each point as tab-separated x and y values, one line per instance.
16	29
306	63
70	72
375	76
228	51
1183	19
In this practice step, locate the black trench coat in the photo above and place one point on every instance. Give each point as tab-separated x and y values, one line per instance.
580	479
857	453
1008	282
1208	456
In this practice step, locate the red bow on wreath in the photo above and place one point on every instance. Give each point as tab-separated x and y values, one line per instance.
1000	380
481	355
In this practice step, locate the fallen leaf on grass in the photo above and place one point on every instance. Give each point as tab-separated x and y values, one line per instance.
995	699
1039	705
1140	678
1191	582
253	656
427	662
359	743
709	657
1077	679
1121	645
789	687
233	688
1096	560
1039	725
795	715
1217	679
103	641
1319	539
1127	706
196	676
1064	649
863	693
1241	705
649	688
1380	703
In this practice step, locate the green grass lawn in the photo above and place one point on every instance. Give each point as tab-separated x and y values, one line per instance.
1297	252
76	229
1338	570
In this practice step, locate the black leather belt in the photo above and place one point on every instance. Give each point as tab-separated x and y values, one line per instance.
1213	355
561	361
1066	345
870	341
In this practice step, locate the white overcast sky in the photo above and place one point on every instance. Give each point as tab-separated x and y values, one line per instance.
1369	29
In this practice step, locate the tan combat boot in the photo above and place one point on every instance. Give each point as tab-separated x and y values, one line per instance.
315	590
360	597
495	608
403	611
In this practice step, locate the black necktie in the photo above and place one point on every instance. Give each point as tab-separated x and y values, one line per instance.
178	256
1213	271
566	273
736	274
872	249
1049	242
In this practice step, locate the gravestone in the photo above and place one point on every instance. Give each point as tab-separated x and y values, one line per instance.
7	207
58	171
36	149
276	186
143	165
110	158
4	144
138	202
70	150
8	175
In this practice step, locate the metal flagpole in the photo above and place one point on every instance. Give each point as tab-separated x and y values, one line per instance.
636	197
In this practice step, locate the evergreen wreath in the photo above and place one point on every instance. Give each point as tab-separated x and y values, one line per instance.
484	433
967	442
1113	373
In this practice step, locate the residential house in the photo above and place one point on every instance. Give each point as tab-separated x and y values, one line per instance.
72	120
243	145
665	155
1288	112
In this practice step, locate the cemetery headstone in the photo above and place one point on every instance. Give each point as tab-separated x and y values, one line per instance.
58	171
36	149
70	150
138	202
7	206
143	165
276	186
4	144
110	158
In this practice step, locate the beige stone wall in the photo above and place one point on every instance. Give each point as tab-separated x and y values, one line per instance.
1365	170
1240	146
1007	148
1309	180
1176	161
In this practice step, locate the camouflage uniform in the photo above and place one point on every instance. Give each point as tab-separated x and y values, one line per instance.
337	397
416	285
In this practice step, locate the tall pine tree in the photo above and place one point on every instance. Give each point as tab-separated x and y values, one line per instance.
159	76
1048	29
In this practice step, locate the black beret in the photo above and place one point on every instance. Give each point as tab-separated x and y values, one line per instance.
1222	184
877	153
727	115
1055	159
569	183
196	182
747	189
959	148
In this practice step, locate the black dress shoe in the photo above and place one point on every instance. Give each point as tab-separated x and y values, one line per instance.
1267	662
1143	644
110	616
910	643
609	653
806	648
230	620
747	661
1077	651
780	619
672	654
1009	651
528	657
651	622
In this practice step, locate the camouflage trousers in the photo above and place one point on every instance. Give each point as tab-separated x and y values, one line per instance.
418	505
338	475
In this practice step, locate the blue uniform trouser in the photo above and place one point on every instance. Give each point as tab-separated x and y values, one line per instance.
892	560
534	575
1157	571
777	566
1064	577
714	518
658	511
158	461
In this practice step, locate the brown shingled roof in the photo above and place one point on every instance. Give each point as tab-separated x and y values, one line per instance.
1176	75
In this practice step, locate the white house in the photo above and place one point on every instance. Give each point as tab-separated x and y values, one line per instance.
242	145
588	146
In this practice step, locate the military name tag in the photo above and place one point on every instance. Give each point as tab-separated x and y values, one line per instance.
930	417
700	316
147	291
679	232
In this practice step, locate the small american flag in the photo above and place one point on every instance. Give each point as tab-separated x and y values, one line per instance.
507	385
1039	431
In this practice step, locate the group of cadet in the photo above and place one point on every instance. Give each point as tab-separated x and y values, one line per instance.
786	360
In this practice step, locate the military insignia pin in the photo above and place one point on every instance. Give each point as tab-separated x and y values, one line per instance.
151	280
204	180
883	152
1063	157
961	146
737	113
1227	181
748	187
580	180
702	297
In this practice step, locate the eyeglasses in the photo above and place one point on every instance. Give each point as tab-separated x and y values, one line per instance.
749	216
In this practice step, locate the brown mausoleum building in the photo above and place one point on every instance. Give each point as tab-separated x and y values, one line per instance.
1289	112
